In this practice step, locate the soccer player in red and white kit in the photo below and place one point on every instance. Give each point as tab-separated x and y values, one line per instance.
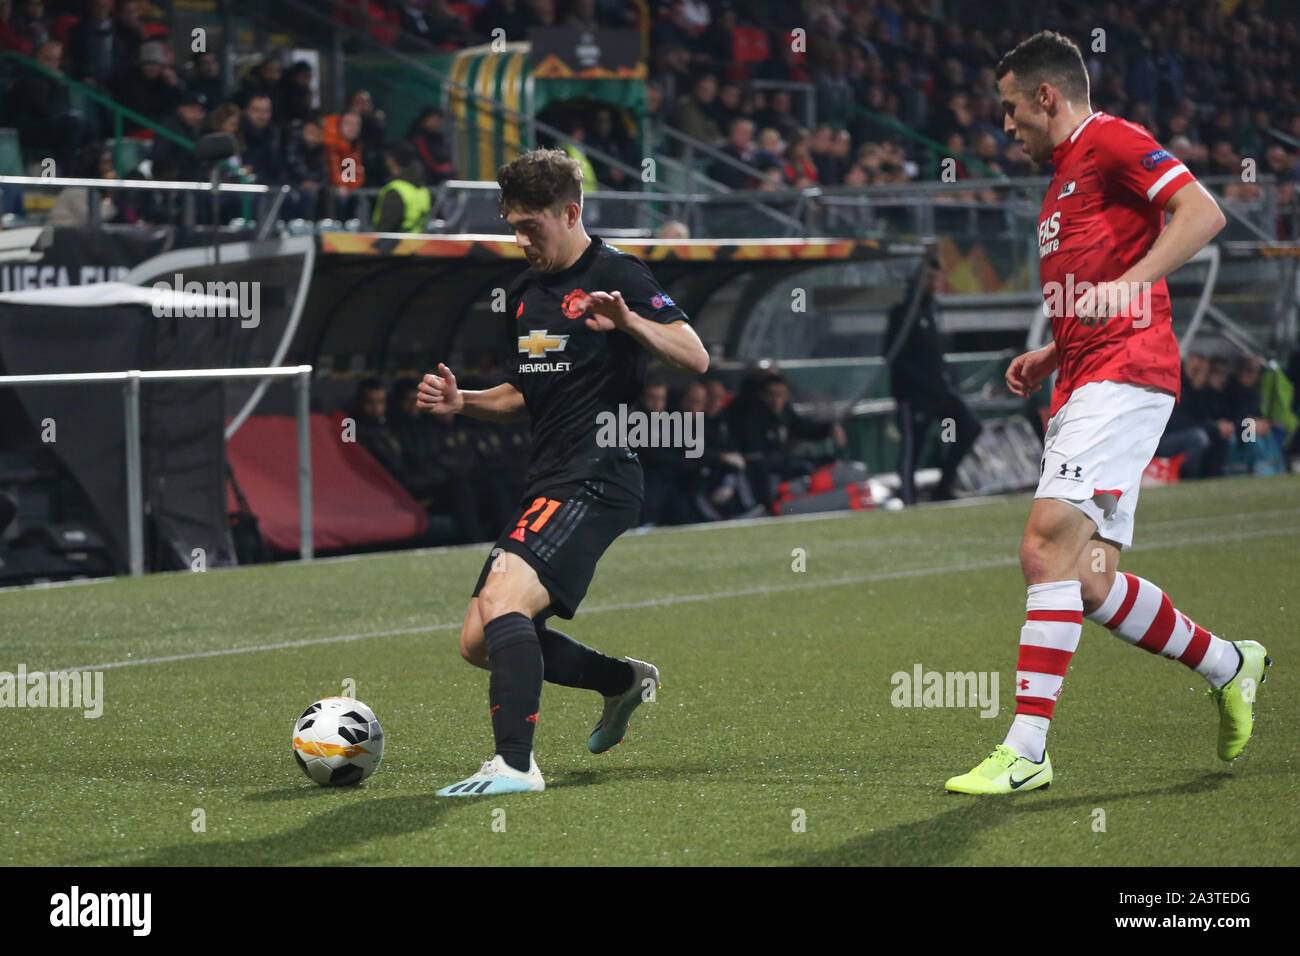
1104	253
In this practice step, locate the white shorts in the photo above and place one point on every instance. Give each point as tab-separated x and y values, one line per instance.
1097	447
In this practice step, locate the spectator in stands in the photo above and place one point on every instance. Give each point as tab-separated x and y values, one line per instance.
96	50
41	110
988	152
403	204
432	24
431	145
799	170
376	435
718	41
1217	407
304	169
608	137
675	32
923	385
719	398
667	489
343	161
694	113
130	27
672	67
263	152
72	208
263	79
33	24
205	80
787	66
1282	164
833	86
726	106
819	150
432	457
293	102
1186	433
779	115
769	148
152	88
716	482
767	431
171	161
1258	447
12	36
573	146
740	147
673	229
225	119
374	128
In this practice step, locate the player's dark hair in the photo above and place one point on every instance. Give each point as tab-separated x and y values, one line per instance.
540	179
368	385
1047	57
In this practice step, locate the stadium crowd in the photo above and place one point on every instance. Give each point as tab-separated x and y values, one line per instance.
1215	83
1227	422
471	473
280	139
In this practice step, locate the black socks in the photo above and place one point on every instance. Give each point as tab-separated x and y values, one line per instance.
576	665
515	689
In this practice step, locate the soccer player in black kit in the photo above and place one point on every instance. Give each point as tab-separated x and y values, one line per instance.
587	318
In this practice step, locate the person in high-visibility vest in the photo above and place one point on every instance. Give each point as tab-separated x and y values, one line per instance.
403	204
578	133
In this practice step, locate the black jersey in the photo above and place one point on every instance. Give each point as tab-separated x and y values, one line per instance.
569	373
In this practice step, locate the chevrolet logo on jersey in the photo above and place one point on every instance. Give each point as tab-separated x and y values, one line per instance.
536	344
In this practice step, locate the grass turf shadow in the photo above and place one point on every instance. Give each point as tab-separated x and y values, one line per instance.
941	839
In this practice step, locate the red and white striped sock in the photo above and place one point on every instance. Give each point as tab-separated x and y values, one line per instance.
1054	621
1138	612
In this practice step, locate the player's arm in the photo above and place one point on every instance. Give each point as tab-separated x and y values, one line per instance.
1132	163
673	343
1195	218
501	403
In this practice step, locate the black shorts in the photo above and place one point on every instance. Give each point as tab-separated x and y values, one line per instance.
562	534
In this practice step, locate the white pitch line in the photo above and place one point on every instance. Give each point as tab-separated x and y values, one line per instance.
667	601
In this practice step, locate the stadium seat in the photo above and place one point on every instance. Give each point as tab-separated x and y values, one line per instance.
128	153
355	503
11	154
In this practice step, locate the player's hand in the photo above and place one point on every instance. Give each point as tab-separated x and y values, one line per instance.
438	393
608	311
1100	303
1027	372
838	436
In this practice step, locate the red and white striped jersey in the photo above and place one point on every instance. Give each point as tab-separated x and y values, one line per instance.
1102	213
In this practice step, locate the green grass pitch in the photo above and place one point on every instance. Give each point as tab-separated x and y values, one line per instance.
776	699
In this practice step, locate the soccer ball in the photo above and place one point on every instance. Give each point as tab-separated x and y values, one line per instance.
338	741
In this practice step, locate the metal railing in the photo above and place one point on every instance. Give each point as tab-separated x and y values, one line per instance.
188	216
134	470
